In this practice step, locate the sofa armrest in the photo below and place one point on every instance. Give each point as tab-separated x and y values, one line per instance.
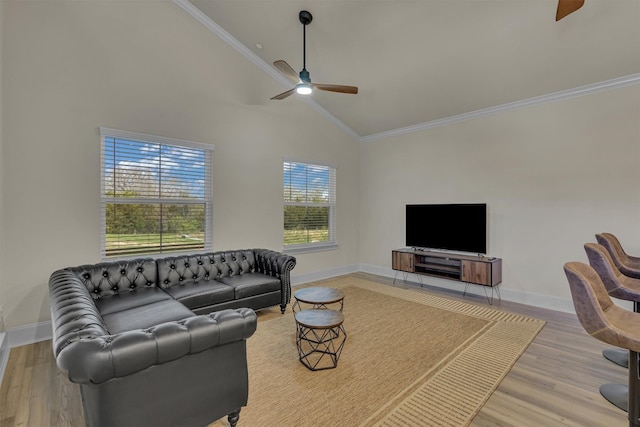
96	360
278	265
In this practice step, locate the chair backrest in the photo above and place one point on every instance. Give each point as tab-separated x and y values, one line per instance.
597	313
590	298
629	266
618	285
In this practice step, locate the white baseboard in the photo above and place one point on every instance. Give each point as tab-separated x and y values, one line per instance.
299	279
528	298
4	353
29	334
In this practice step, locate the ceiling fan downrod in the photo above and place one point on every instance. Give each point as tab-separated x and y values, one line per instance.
305	19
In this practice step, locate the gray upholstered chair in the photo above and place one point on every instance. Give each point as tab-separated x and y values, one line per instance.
607	322
618	285
627	264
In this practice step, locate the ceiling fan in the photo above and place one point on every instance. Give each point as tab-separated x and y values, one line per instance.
304	86
566	7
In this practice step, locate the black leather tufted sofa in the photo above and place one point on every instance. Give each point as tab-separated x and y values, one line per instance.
162	342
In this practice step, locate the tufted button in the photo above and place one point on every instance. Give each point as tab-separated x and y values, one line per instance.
132	286
181	279
199	262
139	269
96	290
173	267
211	262
115	288
186	265
123	272
233	258
195	276
105	274
206	274
166	281
87	276
149	283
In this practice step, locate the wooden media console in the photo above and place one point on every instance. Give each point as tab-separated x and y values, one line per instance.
469	269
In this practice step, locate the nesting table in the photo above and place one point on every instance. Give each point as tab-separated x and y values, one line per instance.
317	297
320	334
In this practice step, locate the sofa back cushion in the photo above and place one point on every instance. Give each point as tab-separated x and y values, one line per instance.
110	278
187	269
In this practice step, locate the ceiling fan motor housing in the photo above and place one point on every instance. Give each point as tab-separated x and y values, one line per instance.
304	76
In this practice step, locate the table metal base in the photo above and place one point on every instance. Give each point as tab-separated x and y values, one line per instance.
320	348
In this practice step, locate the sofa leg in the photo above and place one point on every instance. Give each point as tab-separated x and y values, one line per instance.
283	308
233	418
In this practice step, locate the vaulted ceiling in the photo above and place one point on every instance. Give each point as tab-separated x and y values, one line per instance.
424	61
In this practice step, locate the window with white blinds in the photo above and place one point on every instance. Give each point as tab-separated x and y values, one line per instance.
309	205
155	194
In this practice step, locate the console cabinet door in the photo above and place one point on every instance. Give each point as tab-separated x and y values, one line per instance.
476	272
402	261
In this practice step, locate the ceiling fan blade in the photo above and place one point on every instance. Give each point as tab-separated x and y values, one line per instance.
283	95
336	88
565	7
286	69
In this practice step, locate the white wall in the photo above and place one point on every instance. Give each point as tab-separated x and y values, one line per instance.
148	67
2	327
552	175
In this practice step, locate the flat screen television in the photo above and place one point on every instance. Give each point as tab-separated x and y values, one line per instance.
454	227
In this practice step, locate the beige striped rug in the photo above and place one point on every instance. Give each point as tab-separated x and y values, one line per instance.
410	359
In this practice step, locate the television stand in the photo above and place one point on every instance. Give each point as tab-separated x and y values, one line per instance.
472	270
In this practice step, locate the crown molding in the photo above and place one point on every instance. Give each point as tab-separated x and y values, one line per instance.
212	26
552	97
616	83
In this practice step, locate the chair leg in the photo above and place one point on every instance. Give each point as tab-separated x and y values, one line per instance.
618	356
634	390
233	418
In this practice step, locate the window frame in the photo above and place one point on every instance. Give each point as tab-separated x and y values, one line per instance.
332	243
207	199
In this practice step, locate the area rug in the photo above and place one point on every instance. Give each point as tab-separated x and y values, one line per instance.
410	359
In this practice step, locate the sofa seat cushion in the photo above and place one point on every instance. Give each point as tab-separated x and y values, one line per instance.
201	294
126	300
250	284
145	316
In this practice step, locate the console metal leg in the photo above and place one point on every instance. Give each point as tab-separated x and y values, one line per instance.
486	293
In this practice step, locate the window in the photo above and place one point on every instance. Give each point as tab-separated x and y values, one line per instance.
309	205
155	194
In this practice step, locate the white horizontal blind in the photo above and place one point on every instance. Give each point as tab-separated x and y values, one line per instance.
156	196
309	205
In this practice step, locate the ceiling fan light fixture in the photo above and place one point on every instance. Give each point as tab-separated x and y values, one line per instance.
304	89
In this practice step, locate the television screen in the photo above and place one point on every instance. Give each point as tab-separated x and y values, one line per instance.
454	227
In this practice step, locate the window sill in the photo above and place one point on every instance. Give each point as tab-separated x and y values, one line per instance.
310	249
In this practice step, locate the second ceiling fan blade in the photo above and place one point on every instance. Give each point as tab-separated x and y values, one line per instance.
286	69
565	7
336	88
283	95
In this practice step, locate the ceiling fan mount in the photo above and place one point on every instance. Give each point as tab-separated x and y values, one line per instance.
305	17
302	80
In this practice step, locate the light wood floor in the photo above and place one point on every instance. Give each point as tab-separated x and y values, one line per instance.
554	383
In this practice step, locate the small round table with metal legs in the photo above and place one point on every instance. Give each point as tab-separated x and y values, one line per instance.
320	337
317	297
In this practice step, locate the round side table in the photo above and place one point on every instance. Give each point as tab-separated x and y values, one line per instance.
318	297
320	338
